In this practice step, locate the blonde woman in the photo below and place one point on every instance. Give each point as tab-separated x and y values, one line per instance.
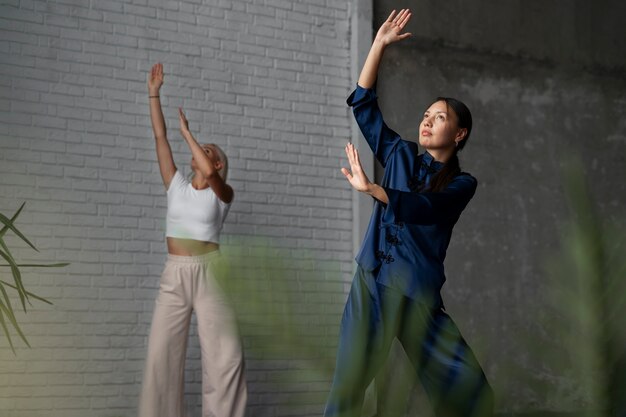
196	210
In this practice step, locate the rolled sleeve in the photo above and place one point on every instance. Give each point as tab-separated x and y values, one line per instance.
361	95
432	208
381	139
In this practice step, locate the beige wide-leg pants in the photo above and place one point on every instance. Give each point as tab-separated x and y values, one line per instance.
188	284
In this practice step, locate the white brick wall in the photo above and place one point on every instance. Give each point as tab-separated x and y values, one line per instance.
267	80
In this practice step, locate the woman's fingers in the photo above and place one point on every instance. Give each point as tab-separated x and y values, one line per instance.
355	174
345	171
350	155
391	16
156	73
391	30
405	19
356	162
183	120
398	17
353	159
401	19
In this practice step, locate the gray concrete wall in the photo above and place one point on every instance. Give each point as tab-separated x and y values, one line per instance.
542	79
570	32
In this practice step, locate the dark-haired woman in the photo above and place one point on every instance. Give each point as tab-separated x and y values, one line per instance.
396	290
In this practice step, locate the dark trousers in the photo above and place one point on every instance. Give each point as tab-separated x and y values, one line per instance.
374	315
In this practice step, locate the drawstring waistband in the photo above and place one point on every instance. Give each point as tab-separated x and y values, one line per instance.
197	259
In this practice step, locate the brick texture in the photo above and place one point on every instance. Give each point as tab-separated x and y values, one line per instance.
264	79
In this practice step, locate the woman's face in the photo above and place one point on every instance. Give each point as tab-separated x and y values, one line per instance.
209	150
439	128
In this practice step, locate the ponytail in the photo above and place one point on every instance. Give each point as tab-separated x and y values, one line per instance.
446	174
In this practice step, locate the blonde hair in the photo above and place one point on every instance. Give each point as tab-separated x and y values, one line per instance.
223	159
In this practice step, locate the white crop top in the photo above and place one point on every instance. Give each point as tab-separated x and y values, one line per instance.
194	214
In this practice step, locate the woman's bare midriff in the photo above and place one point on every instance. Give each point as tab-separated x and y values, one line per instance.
189	247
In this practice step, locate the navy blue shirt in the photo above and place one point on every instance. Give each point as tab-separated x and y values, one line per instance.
408	237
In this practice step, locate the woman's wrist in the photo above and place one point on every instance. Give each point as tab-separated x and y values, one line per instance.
372	188
369	189
378	192
379	43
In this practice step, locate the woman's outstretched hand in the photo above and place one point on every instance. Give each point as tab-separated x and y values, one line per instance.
184	124
391	30
155	79
355	174
358	179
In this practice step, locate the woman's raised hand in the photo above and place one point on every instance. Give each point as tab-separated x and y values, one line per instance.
155	79
184	124
391	30
355	175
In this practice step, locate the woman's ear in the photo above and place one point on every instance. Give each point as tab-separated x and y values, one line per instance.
219	165
460	135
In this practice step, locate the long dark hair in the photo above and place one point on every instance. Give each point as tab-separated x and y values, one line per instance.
452	168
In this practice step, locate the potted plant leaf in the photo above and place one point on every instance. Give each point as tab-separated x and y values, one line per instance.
7	314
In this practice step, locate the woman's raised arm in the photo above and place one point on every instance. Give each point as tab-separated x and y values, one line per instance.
209	168
164	152
363	100
389	32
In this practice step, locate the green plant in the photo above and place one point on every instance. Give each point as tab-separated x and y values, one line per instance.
288	311
6	308
587	305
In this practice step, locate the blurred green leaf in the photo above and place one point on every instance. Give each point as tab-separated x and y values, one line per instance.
17	277
6	309
30	294
57	265
586	290
8	223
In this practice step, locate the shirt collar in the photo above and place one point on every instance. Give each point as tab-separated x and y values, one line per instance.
429	161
